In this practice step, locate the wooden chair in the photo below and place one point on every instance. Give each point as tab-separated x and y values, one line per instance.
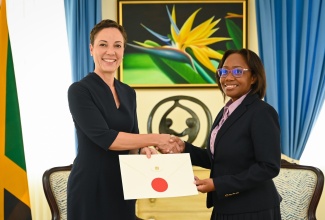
301	188
186	106
55	188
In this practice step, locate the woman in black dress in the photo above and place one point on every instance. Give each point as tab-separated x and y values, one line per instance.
104	113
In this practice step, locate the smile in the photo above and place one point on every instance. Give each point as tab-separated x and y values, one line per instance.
109	60
230	86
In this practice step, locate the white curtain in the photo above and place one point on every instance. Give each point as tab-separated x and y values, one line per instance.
38	37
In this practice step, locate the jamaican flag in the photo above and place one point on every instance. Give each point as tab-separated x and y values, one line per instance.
14	194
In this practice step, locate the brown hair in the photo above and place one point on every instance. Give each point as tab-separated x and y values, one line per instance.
255	65
107	24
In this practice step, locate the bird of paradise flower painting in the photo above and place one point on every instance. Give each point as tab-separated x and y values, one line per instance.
175	46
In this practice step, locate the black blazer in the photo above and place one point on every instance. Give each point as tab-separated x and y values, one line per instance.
246	159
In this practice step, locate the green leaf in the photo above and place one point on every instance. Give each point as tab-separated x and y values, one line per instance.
150	69
176	65
139	68
205	73
151	43
230	45
180	72
235	33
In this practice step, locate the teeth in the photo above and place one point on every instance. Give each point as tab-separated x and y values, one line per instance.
109	60
230	86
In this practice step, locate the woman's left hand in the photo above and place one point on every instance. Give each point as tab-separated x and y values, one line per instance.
205	185
148	151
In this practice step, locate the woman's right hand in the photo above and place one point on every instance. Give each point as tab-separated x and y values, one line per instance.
170	144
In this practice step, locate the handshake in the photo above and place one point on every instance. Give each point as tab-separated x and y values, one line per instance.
165	144
174	145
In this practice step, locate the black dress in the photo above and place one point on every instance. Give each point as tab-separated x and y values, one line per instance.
95	186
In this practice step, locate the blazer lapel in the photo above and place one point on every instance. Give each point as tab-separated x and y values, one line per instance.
239	111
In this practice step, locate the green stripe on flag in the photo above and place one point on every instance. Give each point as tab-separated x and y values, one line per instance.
13	137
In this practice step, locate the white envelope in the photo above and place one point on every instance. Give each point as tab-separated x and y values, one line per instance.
163	175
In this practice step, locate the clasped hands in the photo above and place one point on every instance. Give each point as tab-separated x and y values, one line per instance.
171	145
167	144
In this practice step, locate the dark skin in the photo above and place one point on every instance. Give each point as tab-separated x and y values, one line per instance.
234	88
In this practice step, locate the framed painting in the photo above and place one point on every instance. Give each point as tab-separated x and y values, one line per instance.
179	43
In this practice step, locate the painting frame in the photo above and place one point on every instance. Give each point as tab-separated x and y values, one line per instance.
185	48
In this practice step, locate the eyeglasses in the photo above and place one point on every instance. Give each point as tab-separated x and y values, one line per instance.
236	72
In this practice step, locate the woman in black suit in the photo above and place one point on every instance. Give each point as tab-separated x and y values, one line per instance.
244	154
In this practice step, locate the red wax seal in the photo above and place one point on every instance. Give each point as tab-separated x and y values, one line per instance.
159	184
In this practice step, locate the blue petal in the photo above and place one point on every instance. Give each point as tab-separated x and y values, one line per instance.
167	53
172	21
159	36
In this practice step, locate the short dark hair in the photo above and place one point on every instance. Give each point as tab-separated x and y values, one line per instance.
107	23
255	65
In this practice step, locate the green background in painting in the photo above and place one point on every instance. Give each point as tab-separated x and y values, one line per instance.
138	68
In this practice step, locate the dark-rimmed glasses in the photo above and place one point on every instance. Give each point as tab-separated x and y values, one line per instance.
236	72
